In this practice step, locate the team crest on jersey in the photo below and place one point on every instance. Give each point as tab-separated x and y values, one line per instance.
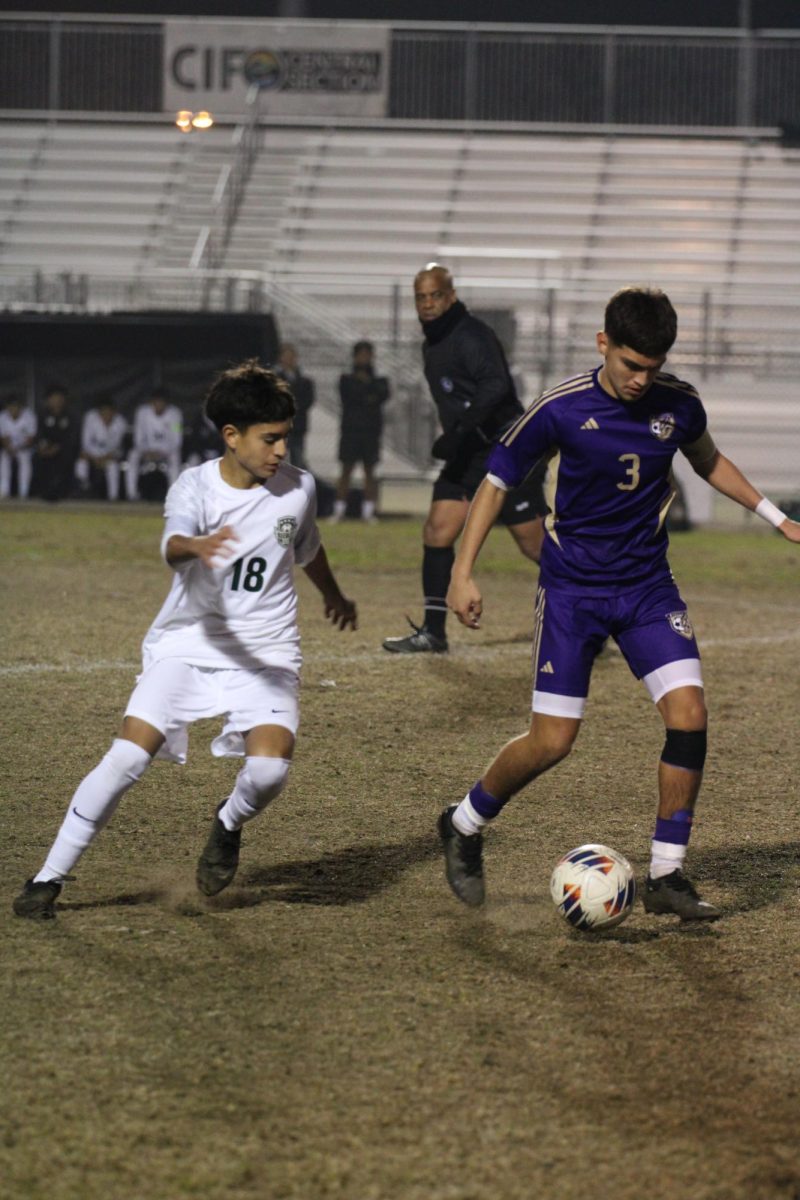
285	530
679	621
662	427
447	383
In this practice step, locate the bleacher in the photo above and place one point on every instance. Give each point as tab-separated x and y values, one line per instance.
75	197
323	207
541	226
537	209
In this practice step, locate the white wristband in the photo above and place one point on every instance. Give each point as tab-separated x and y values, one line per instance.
770	512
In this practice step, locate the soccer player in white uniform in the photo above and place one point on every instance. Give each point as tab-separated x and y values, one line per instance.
17	435
226	638
157	438
102	435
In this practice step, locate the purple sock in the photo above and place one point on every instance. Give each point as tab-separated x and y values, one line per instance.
484	803
675	829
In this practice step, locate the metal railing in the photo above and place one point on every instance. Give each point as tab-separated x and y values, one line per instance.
55	64
527	74
591	77
752	334
213	238
325	336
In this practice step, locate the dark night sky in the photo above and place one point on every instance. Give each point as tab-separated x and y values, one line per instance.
765	14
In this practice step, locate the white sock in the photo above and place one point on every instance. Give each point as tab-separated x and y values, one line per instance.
665	858
259	781
339	508
93	805
368	510
467	819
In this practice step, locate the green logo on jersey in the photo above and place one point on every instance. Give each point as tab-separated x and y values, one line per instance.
285	530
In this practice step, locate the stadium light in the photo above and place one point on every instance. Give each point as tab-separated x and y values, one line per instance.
187	120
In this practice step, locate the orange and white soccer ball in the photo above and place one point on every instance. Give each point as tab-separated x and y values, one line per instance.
593	887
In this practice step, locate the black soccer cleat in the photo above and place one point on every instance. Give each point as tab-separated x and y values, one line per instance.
463	860
674	893
37	901
217	864
421	641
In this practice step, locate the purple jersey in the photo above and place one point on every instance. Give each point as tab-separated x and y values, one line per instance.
608	482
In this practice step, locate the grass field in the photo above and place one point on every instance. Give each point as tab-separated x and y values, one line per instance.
336	1024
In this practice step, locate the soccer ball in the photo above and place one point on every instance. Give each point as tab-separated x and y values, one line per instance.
593	887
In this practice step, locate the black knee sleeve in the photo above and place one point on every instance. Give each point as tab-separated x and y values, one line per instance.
685	748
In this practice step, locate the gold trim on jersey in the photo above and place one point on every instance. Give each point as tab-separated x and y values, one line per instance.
581	383
538	623
679	385
700	451
662	512
550	487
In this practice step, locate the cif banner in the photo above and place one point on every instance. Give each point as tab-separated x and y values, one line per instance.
314	68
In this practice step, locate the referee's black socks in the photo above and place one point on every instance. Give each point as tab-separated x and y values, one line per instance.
437	563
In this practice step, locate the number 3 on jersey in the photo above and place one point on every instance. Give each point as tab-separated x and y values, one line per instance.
249	574
632	471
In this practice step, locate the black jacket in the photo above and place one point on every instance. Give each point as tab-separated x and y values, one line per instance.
302	387
363	396
61	431
469	379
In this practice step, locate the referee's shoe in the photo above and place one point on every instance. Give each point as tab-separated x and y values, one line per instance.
421	641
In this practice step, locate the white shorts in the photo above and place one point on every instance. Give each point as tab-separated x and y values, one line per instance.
171	694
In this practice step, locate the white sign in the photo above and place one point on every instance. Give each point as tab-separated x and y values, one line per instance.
314	68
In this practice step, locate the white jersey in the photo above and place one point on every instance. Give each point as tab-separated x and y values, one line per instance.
99	440
242	613
158	433
19	429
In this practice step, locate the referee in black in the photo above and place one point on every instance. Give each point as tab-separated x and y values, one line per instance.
474	393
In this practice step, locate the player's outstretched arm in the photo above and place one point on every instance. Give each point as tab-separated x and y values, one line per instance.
726	477
340	610
463	596
213	550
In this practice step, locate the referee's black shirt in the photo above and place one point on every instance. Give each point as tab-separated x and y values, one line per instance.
468	375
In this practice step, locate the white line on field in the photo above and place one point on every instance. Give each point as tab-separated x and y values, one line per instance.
362	656
766	639
77	668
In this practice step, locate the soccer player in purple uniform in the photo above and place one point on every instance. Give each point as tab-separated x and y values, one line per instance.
610	436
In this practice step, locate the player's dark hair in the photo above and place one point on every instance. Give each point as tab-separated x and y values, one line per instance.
362	345
642	319
248	395
54	389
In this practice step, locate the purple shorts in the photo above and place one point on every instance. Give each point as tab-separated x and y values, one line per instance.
649	623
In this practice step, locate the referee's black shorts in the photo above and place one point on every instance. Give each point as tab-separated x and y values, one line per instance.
460	481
